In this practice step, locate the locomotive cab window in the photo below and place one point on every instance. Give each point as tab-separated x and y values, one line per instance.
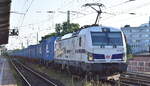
106	38
99	38
115	38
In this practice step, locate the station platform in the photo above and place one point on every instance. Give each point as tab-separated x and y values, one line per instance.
6	76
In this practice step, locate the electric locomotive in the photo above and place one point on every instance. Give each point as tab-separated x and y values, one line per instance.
95	49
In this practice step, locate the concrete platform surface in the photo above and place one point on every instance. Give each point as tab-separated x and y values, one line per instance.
6	76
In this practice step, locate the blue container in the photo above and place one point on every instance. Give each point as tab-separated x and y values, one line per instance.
30	51
49	51
33	51
25	52
36	56
40	51
43	50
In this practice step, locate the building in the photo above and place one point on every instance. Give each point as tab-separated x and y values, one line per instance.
138	38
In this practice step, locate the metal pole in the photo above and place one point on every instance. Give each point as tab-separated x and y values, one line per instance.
68	17
68	20
27	42
22	45
37	38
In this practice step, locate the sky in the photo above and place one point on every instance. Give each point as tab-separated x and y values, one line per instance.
33	21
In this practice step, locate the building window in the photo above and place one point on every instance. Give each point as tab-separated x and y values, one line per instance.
133	46
147	30
137	41
146	41
133	41
135	36
129	41
134	31
128	31
146	35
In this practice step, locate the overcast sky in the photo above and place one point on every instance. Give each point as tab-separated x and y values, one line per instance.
35	19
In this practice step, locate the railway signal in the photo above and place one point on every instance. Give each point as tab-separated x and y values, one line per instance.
13	32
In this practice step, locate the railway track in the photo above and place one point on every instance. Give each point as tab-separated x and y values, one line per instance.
31	77
34	78
134	79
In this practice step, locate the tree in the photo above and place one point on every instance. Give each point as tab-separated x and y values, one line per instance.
62	29
127	26
129	51
69	27
58	28
65	27
74	27
47	36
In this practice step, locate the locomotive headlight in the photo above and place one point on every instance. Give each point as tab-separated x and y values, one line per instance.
90	57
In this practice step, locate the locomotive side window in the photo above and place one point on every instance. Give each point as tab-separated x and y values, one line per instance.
80	41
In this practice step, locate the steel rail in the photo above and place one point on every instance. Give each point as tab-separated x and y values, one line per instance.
38	75
135	78
23	77
31	71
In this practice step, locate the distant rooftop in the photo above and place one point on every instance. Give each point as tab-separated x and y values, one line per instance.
141	26
145	25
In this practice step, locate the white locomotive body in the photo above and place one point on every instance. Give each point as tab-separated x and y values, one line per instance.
92	49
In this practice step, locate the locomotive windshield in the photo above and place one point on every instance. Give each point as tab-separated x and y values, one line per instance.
106	38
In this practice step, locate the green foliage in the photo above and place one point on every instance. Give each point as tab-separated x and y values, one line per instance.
69	28
47	36
16	50
58	28
74	27
129	56
62	29
5	54
65	27
129	51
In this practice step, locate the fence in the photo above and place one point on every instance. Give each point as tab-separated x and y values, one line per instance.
139	66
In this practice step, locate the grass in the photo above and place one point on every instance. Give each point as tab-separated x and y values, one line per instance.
65	78
130	56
